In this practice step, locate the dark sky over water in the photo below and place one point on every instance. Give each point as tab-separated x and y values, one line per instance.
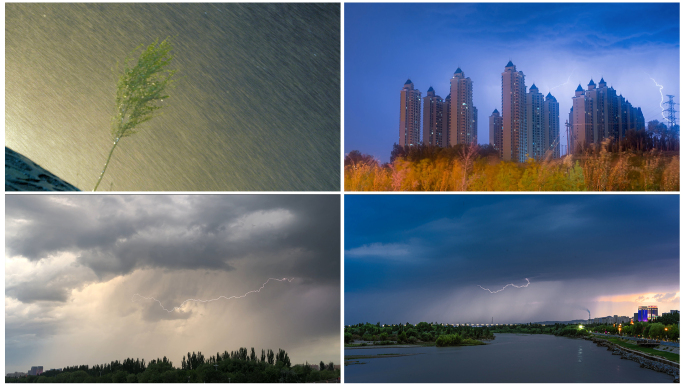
413	258
256	105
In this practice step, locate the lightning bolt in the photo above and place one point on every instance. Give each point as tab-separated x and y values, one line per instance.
661	97
138	297
510	284
566	82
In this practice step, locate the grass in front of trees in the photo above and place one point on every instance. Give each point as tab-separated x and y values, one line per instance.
478	168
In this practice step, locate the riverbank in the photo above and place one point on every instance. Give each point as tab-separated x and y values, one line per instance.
533	358
645	360
354	359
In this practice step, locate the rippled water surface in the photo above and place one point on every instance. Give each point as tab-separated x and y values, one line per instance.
256	105
509	358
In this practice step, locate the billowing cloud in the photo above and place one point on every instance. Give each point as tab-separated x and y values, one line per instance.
399	252
579	252
74	264
117	234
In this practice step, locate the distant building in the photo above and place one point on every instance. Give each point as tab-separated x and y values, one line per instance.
16	374
642	314
35	370
461	110
598	114
446	119
409	115
433	131
495	131
652	312
647	313
534	133
474	128
513	102
551	126
612	320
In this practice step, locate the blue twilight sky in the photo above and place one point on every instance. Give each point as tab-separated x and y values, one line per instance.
413	258
556	46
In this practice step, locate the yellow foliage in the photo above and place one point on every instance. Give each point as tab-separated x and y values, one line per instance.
600	171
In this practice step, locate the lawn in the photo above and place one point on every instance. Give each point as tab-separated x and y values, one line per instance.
667	355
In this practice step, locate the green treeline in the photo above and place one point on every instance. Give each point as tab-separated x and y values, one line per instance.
556	329
652	330
422	332
668	319
478	168
237	366
456	340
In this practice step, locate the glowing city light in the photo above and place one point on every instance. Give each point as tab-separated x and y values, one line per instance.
510	284
138	297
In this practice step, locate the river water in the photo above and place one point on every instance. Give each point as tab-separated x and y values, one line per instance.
509	358
256	104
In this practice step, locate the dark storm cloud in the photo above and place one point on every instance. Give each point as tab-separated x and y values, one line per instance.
114	235
28	292
86	270
604	26
492	239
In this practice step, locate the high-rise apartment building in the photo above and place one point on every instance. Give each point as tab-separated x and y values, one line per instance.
461	110
598	114
446	119
652	312
433	132
496	131
35	370
513	103
473	131
581	120
551	126
409	115
534	133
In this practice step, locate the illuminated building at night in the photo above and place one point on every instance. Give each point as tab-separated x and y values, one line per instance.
642	314
433	132
646	313
513	102
536	137
409	115
461	129
600	113
496	131
446	122
551	126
